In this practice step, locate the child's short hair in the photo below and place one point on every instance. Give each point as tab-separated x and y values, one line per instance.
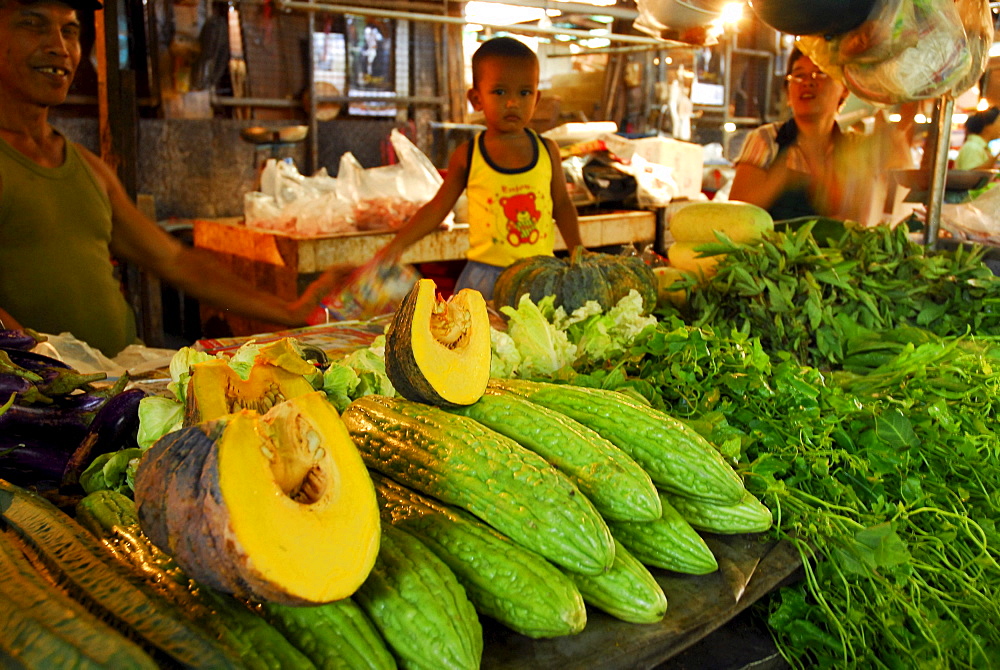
500	47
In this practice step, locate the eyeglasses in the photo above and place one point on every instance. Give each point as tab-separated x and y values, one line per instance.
816	75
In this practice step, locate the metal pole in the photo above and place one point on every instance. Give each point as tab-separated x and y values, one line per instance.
438	18
574	8
943	110
313	146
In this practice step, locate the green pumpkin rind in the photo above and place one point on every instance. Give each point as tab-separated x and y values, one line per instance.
624	273
545	282
515	279
604	278
582	282
507	289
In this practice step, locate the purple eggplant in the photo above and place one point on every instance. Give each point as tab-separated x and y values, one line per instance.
51	376
26	460
43	419
13	384
31	360
115	427
23	340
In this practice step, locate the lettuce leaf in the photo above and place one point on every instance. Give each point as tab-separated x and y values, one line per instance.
542	339
158	416
360	373
339	383
113	471
544	348
180	370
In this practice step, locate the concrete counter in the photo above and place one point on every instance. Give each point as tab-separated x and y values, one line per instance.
284	264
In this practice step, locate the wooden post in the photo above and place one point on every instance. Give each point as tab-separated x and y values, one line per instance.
118	132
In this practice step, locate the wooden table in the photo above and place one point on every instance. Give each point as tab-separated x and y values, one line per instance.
284	264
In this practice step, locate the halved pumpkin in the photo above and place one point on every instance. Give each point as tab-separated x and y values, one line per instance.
275	507
215	389
438	351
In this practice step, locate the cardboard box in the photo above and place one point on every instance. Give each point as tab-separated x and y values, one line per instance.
686	159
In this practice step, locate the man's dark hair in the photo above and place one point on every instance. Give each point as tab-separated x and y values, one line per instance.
500	47
977	122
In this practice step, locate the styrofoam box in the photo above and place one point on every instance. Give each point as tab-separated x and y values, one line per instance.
687	160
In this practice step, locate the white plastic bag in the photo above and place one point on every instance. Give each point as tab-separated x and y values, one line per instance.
977	220
358	199
386	197
907	50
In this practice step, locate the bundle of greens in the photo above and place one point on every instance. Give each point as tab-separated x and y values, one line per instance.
802	298
884	481
882	473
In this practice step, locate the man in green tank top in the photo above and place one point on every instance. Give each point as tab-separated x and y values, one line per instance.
64	213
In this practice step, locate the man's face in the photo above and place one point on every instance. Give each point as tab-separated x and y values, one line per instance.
39	51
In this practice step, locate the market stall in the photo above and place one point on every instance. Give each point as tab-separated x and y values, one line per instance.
285	264
601	468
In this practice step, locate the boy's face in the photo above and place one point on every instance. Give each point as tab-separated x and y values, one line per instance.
506	92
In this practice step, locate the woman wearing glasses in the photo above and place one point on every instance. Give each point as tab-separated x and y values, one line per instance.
807	165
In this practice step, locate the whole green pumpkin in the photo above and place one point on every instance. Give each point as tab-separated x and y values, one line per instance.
585	275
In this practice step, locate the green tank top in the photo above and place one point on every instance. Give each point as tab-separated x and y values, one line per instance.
56	273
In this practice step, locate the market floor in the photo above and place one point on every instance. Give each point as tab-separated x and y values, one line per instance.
742	644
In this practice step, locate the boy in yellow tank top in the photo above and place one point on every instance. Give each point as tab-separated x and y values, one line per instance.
513	177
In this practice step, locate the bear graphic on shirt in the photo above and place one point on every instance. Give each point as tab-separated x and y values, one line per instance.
522	218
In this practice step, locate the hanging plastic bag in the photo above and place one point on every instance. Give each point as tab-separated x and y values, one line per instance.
889	28
908	50
933	66
977	18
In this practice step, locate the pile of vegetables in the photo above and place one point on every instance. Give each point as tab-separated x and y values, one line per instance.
847	388
805	299
857	384
547	498
54	420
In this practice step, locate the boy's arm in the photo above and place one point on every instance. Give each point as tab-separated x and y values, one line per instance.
426	219
563	209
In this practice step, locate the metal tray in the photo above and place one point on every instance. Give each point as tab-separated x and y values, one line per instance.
957	180
285	135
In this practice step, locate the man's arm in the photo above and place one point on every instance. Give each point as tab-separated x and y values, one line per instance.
137	239
7	322
563	209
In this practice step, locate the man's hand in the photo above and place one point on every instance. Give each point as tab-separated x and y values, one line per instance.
332	281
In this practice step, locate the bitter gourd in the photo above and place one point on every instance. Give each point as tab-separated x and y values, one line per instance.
335	636
43	627
668	542
77	560
610	478
112	518
419	607
462	463
628	591
748	516
505	581
676	457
